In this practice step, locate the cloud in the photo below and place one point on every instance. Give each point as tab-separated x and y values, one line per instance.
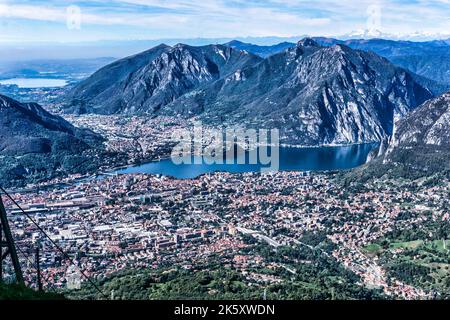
61	14
202	18
230	18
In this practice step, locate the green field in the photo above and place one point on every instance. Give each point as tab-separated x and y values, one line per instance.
438	245
372	248
406	245
423	264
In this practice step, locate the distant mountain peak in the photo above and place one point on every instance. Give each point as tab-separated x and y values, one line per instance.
378	34
161	46
308	42
235	43
181	46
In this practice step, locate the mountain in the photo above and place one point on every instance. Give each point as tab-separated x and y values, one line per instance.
148	81
36	144
419	147
107	79
377	34
262	51
314	94
430	59
27	128
422	139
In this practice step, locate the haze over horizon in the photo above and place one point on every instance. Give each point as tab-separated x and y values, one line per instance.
49	29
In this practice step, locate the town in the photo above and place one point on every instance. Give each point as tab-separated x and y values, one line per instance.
115	222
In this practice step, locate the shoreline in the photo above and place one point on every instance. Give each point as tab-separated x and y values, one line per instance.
112	171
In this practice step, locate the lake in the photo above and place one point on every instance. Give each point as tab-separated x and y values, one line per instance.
291	159
33	83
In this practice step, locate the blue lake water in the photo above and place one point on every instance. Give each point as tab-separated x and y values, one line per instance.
291	159
33	83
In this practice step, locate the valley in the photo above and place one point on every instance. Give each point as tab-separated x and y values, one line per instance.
313	230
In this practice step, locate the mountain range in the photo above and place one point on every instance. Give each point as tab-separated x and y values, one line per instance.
315	94
430	59
145	82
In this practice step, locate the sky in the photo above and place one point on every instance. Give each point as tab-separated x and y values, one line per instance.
75	21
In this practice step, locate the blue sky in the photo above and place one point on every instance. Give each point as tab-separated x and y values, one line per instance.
38	20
